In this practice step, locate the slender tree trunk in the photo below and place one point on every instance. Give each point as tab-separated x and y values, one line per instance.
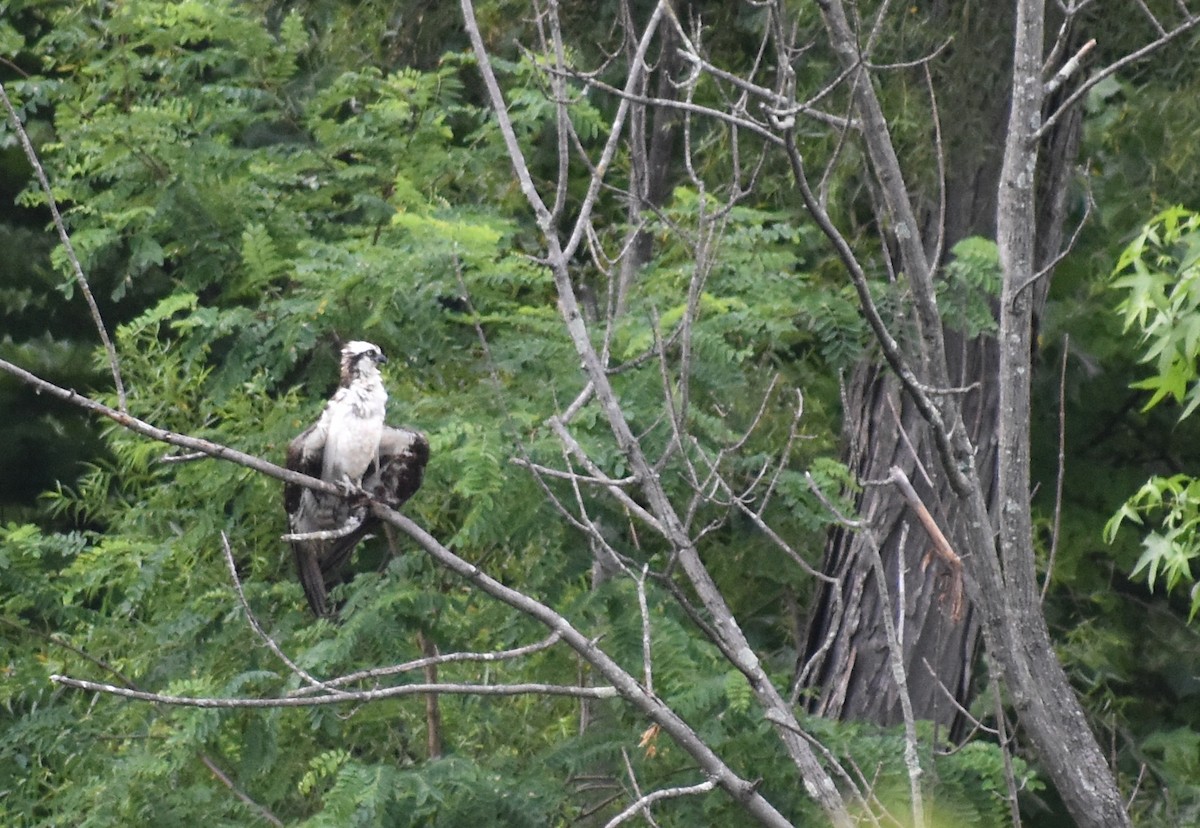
1039	688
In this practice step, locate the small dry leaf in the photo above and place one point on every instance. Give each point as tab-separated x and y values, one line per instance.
649	737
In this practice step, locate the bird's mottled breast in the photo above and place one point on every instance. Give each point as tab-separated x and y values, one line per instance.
367	400
355	425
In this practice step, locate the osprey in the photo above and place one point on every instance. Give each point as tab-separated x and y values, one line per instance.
352	447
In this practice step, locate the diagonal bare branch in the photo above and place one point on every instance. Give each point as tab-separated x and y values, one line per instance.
31	154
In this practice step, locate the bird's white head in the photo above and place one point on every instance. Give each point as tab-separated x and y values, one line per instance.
360	359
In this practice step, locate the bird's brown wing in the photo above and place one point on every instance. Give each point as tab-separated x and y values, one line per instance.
308	512
304	454
403	454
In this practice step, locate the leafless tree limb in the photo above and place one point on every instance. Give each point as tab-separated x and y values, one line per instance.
225	780
626	685
376	673
1189	23
538	468
347	528
890	346
649	799
1010	777
343	696
260	632
1062	462
940	544
31	154
189	457
637	790
1070	67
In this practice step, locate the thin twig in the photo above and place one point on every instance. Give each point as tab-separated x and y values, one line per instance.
894	633
183	458
1010	776
1133	57
637	789
1058	483
1089	204
892	352
570	475
258	630
647	659
225	780
964	712
64	237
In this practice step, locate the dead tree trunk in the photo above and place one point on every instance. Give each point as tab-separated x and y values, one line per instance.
845	666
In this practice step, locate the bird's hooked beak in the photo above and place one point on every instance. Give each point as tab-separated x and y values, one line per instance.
380	357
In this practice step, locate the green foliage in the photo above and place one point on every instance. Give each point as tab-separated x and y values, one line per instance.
962	787
1175	503
246	186
1159	274
970	287
1150	690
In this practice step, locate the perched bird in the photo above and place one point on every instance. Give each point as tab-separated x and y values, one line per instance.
352	447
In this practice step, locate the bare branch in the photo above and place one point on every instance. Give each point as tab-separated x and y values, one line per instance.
443	658
224	779
817	781
537	468
143	428
647	658
740	121
939	154
942	546
888	343
577	451
779	105
1010	776
347	528
893	624
1089	204
1133	57
657	796
896	202
31	154
626	685
190	456
637	790
1069	68
254	625
1154	21
1055	530
340	697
